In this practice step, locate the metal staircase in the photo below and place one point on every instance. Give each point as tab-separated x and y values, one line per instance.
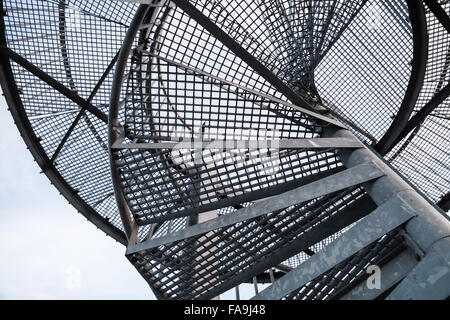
329	183
290	143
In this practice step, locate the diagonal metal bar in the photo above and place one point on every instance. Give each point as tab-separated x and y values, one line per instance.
313	143
239	51
420	116
392	272
257	93
439	12
13	99
67	135
81	113
420	58
339	181
384	219
243	198
5	51
430	278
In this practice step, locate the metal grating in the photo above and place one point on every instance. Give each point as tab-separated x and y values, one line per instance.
288	38
182	77
64	38
194	267
343	275
423	156
372	61
167	101
182	81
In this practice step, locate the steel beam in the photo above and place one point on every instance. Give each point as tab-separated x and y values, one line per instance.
420	58
68	93
391	273
429	226
313	143
351	213
243	198
430	279
339	181
423	223
384	219
427	230
81	113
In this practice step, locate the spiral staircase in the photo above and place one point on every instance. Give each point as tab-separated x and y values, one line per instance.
286	144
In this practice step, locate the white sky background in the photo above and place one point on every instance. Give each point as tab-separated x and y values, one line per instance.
43	238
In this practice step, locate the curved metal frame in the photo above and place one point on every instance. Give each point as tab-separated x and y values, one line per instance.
14	101
415	126
114	129
420	57
46	165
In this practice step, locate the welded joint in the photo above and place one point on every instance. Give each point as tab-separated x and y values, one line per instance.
412	245
119	134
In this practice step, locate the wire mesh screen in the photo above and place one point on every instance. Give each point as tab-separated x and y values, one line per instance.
336	280
169	101
289	38
183	83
